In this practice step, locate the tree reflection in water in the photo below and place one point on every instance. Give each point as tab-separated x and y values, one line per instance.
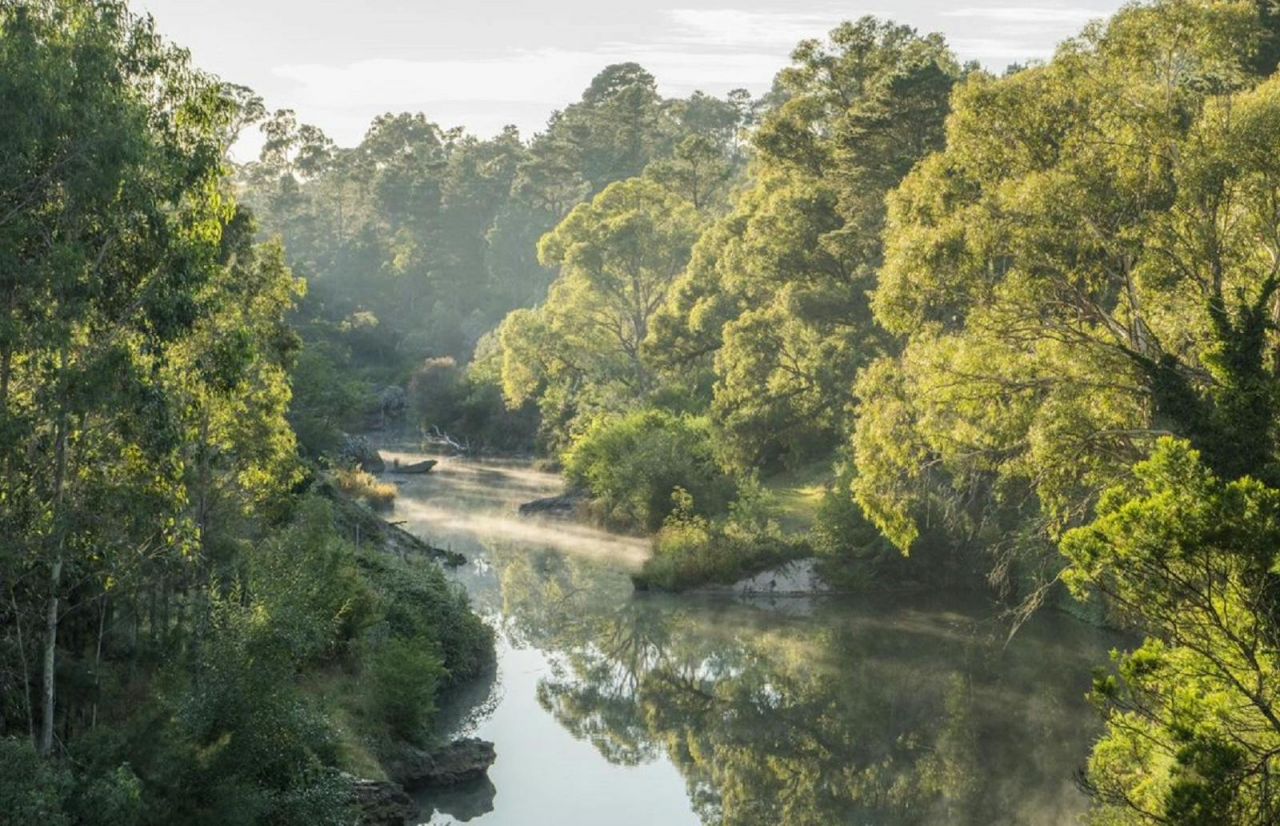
895	710
812	711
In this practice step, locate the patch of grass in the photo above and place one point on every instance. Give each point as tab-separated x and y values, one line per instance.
364	487
693	550
798	495
339	694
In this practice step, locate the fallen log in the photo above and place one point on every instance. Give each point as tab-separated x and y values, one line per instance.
564	506
362	524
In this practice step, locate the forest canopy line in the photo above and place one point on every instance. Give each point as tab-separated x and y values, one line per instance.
1016	332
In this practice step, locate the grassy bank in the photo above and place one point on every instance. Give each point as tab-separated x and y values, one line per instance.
761	530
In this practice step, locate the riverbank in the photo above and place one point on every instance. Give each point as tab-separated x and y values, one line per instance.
381	702
610	708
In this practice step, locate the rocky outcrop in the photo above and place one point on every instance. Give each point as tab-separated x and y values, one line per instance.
382	803
357	451
565	506
462	803
798	578
460	761
386	802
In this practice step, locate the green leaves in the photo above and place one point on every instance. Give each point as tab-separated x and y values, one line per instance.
1187	558
618	256
1082	271
633	464
777	290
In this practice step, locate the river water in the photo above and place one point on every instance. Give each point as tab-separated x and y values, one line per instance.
610	707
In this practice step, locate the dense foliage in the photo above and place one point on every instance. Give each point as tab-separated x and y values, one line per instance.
1191	718
421	239
633	464
169	595
1026	328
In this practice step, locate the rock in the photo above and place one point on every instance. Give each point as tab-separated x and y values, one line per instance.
798	578
460	803
382	803
563	506
415	467
357	451
460	761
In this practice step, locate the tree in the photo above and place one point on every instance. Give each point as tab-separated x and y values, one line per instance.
777	291
1090	264
618	256
110	162
1192	730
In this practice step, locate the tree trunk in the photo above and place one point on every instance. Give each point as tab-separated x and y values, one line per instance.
55	574
26	669
50	660
97	663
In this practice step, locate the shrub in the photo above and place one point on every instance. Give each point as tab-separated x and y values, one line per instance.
417	602
405	676
693	550
434	390
633	464
326	399
469	403
31	789
308	587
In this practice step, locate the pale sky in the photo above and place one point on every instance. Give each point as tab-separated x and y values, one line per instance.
483	64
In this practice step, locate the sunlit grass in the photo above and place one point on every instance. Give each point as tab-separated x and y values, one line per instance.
799	493
340	695
365	487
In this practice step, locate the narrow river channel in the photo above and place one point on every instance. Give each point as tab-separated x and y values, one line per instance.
615	708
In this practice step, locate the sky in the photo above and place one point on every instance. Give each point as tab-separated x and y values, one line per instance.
482	64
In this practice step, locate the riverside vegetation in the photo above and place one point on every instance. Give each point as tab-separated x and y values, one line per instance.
1017	333
186	635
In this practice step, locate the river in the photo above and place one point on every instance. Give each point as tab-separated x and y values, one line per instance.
609	707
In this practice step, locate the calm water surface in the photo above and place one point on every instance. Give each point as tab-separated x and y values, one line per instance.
614	708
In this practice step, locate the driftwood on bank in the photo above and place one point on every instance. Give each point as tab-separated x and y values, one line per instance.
443	442
565	506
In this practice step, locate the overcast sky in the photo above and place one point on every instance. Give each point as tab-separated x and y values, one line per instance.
483	64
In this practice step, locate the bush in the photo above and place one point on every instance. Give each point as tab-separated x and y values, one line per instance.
418	603
434	390
693	550
326	399
31	789
469	403
633	464
308	587
405	677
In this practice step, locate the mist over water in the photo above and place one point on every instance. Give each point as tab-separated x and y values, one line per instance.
620	708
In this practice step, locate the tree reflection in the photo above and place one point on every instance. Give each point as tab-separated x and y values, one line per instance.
882	713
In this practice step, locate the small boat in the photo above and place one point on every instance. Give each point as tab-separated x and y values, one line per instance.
417	467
